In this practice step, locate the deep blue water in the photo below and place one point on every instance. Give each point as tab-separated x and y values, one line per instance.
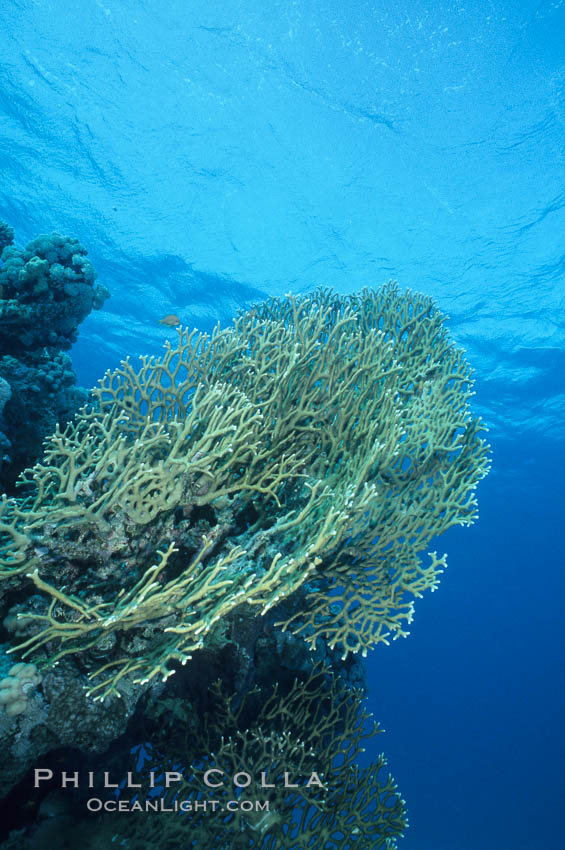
208	154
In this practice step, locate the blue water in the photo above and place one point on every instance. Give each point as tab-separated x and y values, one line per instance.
210	153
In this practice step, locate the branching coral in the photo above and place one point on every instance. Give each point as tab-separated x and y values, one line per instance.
298	753
309	453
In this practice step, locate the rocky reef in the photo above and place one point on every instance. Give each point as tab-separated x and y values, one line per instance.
46	290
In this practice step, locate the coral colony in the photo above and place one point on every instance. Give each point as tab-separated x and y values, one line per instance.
252	507
46	290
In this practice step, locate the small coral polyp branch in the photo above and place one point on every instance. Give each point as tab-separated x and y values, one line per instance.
307	455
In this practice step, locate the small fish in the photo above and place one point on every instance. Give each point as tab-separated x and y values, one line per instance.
171	320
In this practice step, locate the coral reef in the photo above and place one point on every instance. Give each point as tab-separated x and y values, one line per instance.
319	444
6	235
46	290
283	763
56	715
268	489
16	687
43	394
5	395
296	753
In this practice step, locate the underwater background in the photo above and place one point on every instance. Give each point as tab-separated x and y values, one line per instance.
209	155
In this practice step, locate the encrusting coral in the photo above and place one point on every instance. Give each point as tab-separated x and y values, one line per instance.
301	460
16	687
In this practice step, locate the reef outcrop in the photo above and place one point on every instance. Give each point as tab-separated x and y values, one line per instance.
46	290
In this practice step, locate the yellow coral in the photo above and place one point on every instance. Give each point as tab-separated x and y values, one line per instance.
329	439
16	687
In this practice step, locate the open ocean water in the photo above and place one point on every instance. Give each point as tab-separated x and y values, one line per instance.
210	154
